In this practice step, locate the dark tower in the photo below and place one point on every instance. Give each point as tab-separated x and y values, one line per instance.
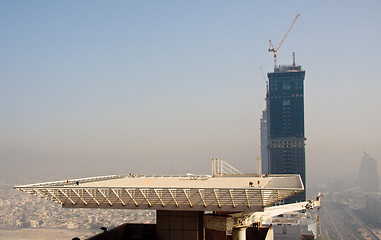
285	117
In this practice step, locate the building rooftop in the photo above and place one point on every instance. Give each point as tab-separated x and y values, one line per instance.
287	68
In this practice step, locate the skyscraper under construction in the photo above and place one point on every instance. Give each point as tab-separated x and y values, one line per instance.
282	125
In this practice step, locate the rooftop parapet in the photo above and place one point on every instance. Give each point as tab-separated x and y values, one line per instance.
287	68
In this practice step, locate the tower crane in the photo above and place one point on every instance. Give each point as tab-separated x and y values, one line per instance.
275	50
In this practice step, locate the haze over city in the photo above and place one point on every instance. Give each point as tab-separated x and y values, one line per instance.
91	88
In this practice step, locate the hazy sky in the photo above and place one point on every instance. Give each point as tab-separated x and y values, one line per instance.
100	87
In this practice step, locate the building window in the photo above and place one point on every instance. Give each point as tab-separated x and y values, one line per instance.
286	102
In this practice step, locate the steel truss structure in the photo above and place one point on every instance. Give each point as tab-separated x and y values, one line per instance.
91	194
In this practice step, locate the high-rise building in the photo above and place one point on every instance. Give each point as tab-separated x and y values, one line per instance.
264	143
284	116
368	178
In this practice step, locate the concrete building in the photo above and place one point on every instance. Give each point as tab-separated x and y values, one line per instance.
265	143
294	226
285	125
373	205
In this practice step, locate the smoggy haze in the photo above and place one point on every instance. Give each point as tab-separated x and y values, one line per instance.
93	87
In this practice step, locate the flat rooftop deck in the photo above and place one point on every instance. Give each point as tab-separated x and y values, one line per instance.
186	193
187	182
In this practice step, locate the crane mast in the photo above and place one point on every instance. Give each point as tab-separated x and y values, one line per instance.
275	50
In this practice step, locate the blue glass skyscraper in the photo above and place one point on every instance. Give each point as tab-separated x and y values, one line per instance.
285	145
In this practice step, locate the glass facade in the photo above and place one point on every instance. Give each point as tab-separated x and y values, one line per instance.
285	117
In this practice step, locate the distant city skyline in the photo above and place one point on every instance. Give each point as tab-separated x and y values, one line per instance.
93	88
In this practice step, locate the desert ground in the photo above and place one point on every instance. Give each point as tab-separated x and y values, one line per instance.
43	234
